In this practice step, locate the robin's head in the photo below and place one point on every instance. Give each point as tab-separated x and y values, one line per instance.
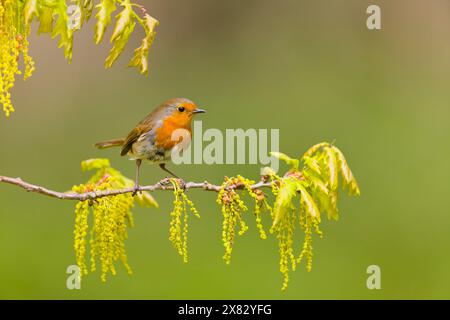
180	111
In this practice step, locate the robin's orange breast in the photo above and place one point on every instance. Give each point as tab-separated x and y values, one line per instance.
171	132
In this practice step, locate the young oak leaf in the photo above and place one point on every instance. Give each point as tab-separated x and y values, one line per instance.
62	29
312	164
146	200
308	202
45	19
94	164
314	148
347	175
328	205
105	9
123	29
325	198
140	58
332	169
294	163
119	45
81	13
86	7
30	10
123	21
267	171
316	182
283	201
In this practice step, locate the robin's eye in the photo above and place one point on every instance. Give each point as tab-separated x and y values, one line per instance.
181	109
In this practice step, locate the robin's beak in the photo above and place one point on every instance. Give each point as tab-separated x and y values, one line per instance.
198	111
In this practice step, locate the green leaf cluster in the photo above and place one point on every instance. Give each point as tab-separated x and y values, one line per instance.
54	18
315	186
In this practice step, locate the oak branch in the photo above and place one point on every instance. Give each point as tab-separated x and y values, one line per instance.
161	185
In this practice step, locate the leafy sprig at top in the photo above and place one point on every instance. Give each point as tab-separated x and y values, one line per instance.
61	19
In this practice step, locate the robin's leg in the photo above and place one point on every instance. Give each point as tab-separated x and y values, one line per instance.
136	182
163	166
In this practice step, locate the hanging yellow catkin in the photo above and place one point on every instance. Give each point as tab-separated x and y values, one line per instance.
179	227
110	218
12	44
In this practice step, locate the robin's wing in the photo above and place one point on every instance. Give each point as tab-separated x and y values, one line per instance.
147	124
134	136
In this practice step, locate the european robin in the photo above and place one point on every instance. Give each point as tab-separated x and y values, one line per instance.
152	139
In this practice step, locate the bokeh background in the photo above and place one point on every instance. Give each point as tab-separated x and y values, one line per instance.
311	69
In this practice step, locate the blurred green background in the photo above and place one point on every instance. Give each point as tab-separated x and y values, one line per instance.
311	69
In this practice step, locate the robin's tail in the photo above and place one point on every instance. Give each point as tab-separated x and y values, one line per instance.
109	143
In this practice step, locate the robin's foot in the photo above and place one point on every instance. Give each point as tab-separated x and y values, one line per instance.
165	181
181	183
136	189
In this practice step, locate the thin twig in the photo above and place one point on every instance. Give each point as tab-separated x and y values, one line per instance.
161	185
